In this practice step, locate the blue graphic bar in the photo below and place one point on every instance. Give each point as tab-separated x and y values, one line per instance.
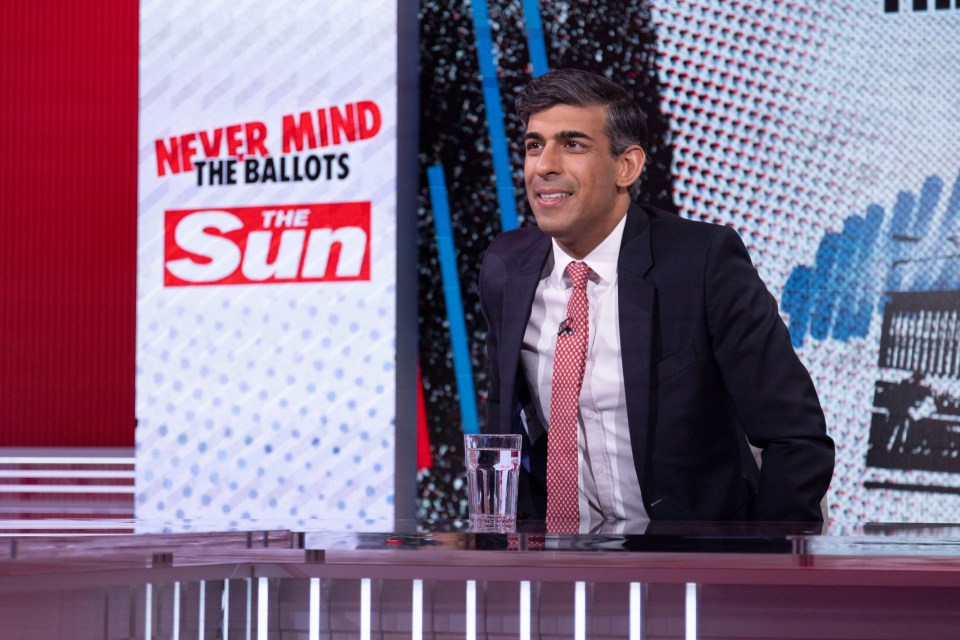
535	41
452	298
824	300
855	269
491	100
927	204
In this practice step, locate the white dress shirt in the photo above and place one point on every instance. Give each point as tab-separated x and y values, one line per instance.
609	489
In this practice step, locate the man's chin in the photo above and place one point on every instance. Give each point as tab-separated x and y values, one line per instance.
544	221
548	217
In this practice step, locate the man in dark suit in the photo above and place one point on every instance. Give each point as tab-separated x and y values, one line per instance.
686	359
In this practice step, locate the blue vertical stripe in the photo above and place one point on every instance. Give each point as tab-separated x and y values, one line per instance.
452	298
491	100
535	41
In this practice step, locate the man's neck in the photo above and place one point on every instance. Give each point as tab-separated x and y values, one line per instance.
607	251
581	247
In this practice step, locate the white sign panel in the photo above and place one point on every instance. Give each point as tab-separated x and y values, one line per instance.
266	260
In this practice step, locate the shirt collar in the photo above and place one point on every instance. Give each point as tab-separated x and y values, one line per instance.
602	260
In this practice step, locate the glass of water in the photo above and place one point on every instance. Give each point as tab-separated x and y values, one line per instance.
493	470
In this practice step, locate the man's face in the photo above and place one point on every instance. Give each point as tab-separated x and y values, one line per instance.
572	179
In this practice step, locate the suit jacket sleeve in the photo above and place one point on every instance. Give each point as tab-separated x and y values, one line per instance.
492	278
771	390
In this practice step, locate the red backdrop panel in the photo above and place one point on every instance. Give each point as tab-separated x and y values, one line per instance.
68	180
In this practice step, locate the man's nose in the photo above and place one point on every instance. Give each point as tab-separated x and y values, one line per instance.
549	162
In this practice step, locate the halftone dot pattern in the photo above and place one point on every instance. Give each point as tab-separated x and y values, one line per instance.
744	90
563	479
266	401
825	134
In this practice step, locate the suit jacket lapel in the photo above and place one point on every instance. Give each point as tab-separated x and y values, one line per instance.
637	300
516	303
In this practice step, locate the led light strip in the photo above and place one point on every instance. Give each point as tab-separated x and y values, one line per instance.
40	473
54	525
225	609
148	613
525	610
262	600
580	611
691	610
314	629
203	609
249	607
176	611
57	511
417	632
65	460
365	609
65	488
636	611
471	610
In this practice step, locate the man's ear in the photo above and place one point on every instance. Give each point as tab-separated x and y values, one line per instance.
630	166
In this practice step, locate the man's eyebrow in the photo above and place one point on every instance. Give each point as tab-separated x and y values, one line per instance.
568	134
559	135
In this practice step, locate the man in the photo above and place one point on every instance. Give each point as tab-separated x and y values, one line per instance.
664	360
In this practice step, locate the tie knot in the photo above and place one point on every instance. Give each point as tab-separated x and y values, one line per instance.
579	273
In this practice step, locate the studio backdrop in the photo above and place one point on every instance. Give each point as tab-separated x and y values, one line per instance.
825	133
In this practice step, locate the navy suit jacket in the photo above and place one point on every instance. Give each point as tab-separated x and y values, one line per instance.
707	365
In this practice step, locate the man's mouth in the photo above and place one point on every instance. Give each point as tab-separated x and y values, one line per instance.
553	198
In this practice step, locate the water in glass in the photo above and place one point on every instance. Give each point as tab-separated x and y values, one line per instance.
492	476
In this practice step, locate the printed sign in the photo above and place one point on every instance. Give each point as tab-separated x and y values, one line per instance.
266	302
267	245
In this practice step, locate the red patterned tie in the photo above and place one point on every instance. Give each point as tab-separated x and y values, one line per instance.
563	505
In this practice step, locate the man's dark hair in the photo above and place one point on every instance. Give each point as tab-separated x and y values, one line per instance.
626	123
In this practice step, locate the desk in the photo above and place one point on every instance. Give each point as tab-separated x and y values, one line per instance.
439	580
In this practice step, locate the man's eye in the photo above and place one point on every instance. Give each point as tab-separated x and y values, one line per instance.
533	146
573	144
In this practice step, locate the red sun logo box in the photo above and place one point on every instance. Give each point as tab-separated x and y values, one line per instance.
267	244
